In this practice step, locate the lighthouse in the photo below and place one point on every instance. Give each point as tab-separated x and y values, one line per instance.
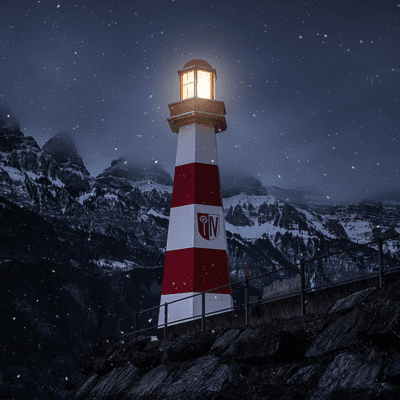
196	258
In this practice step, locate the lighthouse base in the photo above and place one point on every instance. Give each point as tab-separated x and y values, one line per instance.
191	307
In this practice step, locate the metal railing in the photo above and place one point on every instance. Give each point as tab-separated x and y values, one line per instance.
246	304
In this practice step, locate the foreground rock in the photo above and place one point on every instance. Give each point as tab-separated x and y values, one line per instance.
351	351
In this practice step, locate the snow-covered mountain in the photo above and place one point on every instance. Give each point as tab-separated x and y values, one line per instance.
98	244
129	203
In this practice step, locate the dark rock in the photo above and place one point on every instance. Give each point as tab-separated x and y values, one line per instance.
306	374
142	343
5	177
102	367
224	341
120	357
255	347
73	172
122	383
107	384
335	228
12	139
122	170
353	300
341	334
393	292
237	217
267	212
291	218
384	329
392	373
349	371
189	346
199	379
62	148
149	382
278	373
105	182
153	344
76	183
146	360
84	387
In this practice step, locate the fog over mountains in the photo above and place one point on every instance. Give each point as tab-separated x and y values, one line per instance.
79	252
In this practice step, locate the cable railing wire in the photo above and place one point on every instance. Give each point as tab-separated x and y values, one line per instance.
246	304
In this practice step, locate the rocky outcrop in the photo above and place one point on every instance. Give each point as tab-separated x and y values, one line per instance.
335	228
72	171
122	170
351	351
237	217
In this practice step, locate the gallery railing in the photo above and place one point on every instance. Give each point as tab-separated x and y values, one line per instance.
247	303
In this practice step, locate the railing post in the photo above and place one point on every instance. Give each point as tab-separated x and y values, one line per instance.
380	251
165	319
246	301
135	327
303	286
203	310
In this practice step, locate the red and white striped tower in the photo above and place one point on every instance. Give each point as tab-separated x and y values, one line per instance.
196	258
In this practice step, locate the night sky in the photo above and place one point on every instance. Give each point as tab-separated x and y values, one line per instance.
311	88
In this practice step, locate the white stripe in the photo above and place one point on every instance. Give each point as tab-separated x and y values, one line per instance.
183	230
196	143
191	308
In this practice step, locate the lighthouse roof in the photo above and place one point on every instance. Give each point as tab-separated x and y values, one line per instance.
198	62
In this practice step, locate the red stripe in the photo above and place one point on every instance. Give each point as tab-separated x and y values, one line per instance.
195	270
196	183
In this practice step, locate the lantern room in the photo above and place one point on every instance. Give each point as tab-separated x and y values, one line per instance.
197	79
197	104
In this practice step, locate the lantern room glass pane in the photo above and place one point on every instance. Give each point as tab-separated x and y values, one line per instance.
188	85
204	84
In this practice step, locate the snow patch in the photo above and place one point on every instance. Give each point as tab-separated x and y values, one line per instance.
157	214
124	265
146	186
14	174
358	231
85	197
247	198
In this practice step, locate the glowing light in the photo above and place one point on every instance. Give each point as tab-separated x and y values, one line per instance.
188	85
204	84
197	82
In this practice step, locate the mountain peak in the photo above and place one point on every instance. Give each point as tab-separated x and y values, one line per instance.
62	148
135	172
11	137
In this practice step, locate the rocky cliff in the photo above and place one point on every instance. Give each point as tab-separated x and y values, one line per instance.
351	351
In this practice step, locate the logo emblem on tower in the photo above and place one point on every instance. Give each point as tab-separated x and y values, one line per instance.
208	225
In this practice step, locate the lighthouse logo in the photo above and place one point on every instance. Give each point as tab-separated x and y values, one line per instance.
208	225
